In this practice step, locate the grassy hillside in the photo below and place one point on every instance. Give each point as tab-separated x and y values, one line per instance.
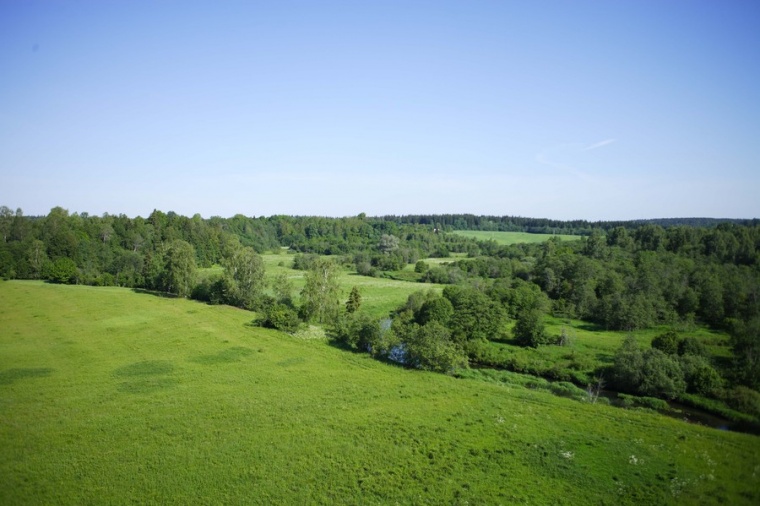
512	237
112	396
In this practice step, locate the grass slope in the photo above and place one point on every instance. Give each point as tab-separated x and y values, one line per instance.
111	396
512	237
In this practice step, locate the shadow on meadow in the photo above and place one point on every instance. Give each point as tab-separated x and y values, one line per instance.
234	354
163	295
144	368
10	376
145	377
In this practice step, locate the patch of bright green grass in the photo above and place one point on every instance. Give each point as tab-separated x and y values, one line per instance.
113	396
379	295
513	237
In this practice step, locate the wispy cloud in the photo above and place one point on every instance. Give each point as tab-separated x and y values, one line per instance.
542	159
558	156
599	144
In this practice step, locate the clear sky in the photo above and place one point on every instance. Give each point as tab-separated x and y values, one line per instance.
596	110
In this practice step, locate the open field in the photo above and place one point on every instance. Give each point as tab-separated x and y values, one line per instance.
379	295
112	396
512	237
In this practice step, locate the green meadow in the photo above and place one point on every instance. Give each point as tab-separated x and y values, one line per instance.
379	295
513	237
111	396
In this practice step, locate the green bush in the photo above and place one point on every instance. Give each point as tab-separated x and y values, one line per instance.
63	271
276	315
530	329
633	401
667	343
744	399
700	376
661	375
691	346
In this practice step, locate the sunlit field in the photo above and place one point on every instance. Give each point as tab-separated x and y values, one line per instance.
513	237
113	396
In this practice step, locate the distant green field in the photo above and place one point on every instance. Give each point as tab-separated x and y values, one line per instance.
109	396
379	295
512	237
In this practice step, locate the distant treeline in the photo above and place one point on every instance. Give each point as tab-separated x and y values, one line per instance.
120	247
547	226
128	251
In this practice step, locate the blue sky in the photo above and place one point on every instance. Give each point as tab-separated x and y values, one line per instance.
596	110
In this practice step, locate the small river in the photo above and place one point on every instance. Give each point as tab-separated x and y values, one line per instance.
694	415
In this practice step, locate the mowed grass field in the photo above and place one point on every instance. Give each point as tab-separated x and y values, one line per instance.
109	396
513	237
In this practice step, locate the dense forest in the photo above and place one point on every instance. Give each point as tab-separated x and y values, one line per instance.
619	276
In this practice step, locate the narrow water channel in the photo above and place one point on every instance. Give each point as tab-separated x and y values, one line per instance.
691	414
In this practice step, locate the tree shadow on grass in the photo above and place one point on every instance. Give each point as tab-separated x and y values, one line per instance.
591	327
605	358
144	368
334	343
147	385
145	377
234	354
10	376
163	295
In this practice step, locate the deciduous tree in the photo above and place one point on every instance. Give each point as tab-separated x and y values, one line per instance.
246	269
179	268
320	295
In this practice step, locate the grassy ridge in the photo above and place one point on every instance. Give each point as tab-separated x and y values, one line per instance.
512	237
111	396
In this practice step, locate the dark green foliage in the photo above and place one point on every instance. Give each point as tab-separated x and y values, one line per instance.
661	375
629	363
691	346
279	316
701	378
744	400
421	267
304	262
62	270
476	317
437	309
745	341
354	301
667	343
529	330
518	296
416	300
245	269
357	331
430	347
650	372
216	290
444	275
633	401
178	275
388	262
